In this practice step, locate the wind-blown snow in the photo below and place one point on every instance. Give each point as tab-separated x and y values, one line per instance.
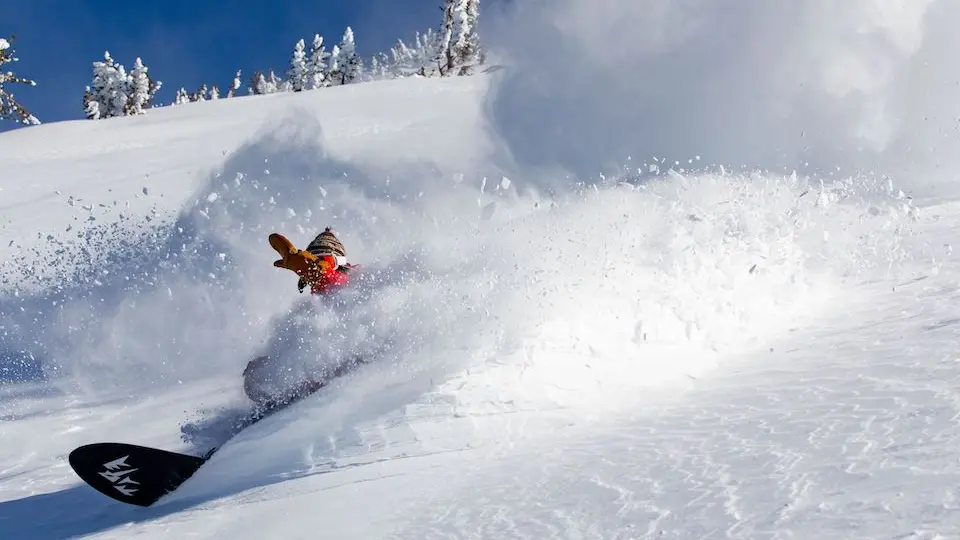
864	84
677	351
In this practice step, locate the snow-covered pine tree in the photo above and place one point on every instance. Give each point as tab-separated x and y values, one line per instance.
297	73
334	75
10	108
257	84
317	64
379	67
420	58
91	107
214	92
426	47
350	64
235	86
142	89
182	97
274	83
110	88
374	70
139	92
264	84
445	53
459	48
200	94
400	56
466	48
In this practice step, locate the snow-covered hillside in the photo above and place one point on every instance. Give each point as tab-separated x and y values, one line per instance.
667	353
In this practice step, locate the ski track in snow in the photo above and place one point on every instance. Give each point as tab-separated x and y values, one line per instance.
850	433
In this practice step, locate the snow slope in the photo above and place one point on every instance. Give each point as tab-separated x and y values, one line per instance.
692	354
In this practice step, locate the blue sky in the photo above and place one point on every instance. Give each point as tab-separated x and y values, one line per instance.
185	42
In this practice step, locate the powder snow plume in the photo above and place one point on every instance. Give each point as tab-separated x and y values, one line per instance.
466	269
456	276
859	86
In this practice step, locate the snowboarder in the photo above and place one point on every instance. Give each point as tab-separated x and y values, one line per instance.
323	265
324	268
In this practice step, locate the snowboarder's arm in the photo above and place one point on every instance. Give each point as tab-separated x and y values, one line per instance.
306	265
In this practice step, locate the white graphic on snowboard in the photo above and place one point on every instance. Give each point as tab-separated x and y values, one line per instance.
117	472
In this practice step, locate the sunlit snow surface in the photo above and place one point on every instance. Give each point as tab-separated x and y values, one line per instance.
685	355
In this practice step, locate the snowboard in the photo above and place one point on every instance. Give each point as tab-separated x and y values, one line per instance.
141	475
133	474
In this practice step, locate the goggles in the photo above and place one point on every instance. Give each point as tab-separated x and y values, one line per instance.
339	260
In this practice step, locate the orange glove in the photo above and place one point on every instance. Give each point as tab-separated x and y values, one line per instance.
303	263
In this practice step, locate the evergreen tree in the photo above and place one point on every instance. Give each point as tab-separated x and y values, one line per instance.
182	97
201	94
459	48
264	84
257	84
445	53
111	87
350	65
142	89
10	108
420	58
379	67
334	75
426	47
317	65
91	107
214	92
466	48
273	83
297	73
114	92
235	86
401	55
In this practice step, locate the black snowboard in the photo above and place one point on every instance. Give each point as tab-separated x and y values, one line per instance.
140	475
133	474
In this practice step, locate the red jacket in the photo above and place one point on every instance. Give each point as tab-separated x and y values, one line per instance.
332	277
